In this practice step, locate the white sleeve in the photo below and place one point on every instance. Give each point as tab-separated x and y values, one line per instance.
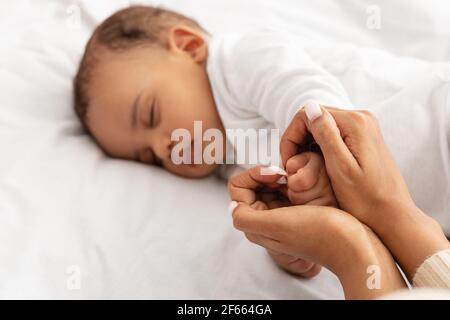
273	75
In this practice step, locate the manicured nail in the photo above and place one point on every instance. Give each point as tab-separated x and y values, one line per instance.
232	206
313	110
277	170
282	180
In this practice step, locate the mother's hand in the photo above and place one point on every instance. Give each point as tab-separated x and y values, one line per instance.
366	180
262	192
364	176
324	235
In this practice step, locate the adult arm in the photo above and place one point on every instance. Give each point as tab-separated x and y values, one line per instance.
324	235
366	180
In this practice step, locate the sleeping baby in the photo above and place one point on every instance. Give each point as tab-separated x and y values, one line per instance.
149	72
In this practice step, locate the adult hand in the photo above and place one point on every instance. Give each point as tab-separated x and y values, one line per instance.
366	180
364	176
262	192
323	235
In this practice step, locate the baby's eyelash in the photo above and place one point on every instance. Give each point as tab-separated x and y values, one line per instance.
152	115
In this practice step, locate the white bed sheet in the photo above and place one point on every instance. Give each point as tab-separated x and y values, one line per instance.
128	230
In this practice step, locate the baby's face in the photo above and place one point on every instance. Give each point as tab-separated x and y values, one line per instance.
138	98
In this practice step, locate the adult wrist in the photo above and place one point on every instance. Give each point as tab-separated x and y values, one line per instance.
411	236
350	244
386	216
368	270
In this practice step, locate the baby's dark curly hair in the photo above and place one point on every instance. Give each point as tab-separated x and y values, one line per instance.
126	29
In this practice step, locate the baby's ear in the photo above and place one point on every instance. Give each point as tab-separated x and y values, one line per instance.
190	41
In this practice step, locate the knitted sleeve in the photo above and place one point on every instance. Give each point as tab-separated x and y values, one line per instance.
434	271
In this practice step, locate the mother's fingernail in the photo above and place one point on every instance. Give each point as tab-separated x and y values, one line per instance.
275	170
313	110
232	206
282	180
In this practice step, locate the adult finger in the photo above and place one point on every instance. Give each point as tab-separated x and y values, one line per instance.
274	199
261	222
285	260
243	187
263	241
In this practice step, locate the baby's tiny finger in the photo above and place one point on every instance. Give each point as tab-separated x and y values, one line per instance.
306	177
303	180
320	188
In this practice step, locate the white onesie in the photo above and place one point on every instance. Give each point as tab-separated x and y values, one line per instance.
261	78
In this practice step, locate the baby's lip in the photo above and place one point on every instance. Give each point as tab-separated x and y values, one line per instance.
193	154
190	153
158	161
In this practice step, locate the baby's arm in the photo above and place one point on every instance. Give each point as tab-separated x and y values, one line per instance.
308	182
272	74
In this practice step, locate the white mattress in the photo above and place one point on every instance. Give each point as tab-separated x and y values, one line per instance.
129	230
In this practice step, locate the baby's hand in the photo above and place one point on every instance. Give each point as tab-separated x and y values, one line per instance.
308	181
